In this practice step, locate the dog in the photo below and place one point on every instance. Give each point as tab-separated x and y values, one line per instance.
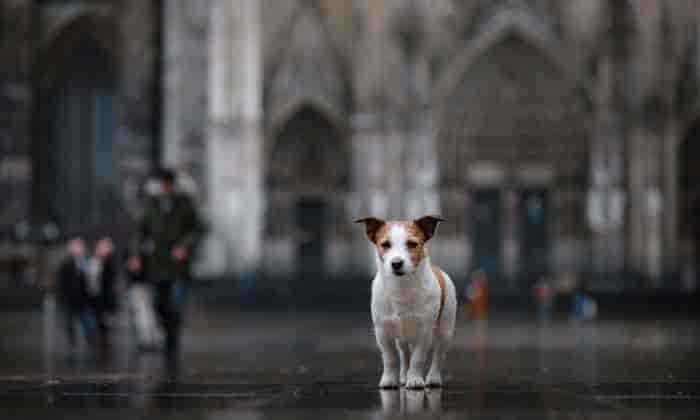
414	303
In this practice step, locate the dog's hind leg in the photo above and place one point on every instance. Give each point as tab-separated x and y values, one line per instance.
443	337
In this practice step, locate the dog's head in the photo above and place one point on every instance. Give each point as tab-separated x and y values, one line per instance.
400	244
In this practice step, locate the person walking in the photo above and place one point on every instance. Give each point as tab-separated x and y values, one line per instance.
148	335
169	231
73	293
102	277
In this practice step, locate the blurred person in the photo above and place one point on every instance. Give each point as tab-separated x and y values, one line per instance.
186	184
148	336
102	278
589	311
478	294
566	288
74	296
577	297
544	299
169	231
140	290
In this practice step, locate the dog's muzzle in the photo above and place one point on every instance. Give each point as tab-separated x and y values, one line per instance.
397	266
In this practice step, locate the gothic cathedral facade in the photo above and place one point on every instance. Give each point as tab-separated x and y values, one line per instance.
557	137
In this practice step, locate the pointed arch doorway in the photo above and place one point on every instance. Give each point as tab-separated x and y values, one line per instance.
513	148
75	141
307	181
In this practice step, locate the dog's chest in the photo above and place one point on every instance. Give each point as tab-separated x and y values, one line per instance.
405	314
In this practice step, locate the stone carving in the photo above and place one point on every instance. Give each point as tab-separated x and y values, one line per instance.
308	72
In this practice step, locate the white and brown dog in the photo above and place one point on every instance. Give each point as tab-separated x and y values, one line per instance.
414	303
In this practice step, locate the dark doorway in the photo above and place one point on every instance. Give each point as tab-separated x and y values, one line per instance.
307	182
533	216
310	222
79	168
689	198
487	231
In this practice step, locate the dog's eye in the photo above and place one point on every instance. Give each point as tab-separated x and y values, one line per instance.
411	244
385	244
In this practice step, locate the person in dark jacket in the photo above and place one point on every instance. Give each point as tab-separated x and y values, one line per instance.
72	281
102	276
169	232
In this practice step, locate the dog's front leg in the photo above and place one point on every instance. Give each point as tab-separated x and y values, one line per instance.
404	357
416	370
434	378
390	359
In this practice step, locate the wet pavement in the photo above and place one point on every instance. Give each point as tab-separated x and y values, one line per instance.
287	365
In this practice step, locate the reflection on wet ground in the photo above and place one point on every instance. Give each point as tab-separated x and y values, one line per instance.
293	365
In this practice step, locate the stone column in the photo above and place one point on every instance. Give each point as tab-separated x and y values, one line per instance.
379	123
607	199
369	172
369	184
392	135
607	195
670	144
376	123
419	164
650	201
136	135
420	169
234	147
606	207
646	204
511	238
185	85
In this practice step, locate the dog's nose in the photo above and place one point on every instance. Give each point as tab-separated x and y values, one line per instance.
396	263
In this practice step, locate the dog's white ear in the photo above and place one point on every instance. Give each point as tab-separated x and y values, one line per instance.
429	224
372	225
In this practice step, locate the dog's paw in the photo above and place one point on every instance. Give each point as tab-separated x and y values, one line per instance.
389	381
415	382
434	380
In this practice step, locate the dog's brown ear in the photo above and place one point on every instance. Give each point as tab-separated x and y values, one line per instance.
429	224
372	225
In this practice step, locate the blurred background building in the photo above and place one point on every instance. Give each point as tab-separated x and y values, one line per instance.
558	137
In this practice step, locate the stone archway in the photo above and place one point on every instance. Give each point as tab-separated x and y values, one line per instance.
307	170
75	139
513	148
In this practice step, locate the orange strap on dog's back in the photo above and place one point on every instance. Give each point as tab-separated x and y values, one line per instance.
441	282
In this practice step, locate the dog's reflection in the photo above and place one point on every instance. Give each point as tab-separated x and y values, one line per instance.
411	401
